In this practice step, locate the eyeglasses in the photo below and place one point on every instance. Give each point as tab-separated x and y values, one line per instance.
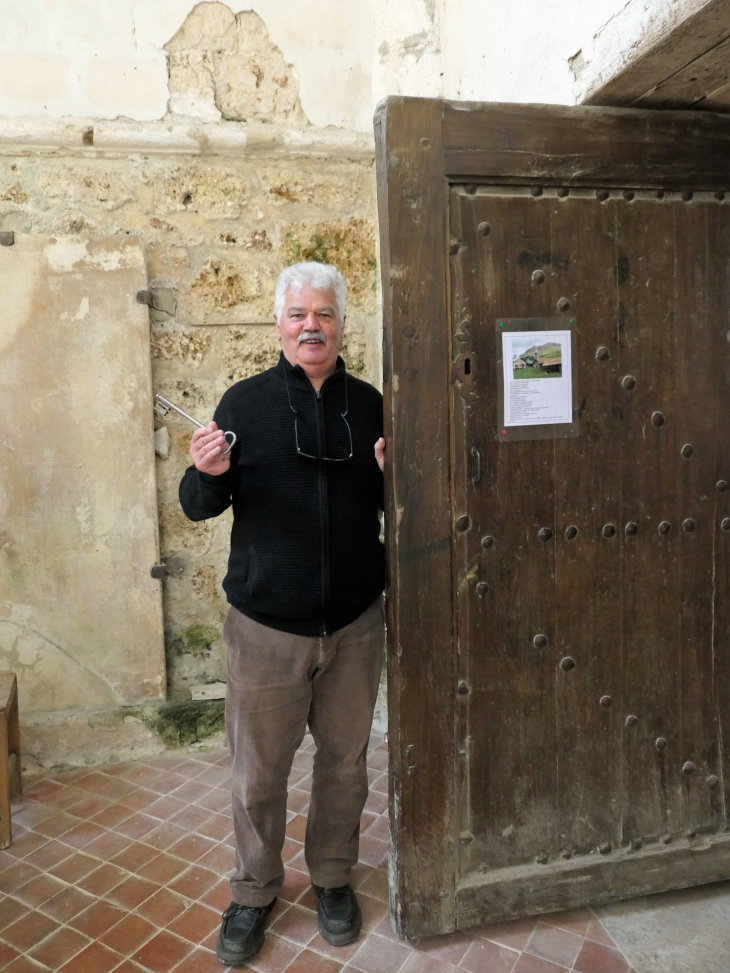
327	459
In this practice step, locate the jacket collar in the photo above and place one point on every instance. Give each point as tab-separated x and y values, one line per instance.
297	377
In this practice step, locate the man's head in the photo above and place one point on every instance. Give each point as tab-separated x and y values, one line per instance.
310	314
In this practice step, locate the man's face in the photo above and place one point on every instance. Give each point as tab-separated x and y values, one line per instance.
310	329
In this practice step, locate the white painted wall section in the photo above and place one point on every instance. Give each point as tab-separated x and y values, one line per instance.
518	52
81	58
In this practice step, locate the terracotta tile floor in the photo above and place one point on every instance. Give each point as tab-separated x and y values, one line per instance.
122	868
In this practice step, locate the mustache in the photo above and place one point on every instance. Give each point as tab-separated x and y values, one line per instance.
309	335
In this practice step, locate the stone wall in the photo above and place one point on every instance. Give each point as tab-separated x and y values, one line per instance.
216	234
217	227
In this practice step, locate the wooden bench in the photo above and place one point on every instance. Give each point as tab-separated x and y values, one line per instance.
10	786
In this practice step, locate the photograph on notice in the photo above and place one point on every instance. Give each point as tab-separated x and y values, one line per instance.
531	359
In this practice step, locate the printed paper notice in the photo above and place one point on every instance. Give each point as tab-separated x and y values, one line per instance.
538	385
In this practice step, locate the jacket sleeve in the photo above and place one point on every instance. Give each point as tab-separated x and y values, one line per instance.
203	495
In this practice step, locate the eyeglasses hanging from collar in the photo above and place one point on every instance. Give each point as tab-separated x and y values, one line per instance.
327	459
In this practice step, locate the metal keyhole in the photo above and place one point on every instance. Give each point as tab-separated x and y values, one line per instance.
467	366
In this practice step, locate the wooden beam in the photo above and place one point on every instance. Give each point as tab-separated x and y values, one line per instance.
499	895
668	55
555	145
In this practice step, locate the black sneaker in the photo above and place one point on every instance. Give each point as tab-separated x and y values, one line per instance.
340	919
242	933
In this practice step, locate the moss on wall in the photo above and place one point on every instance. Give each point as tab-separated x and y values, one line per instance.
181	724
200	638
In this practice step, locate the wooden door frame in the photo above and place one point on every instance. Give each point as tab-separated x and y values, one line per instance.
422	147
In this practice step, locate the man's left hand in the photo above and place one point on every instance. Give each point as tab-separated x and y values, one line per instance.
380	452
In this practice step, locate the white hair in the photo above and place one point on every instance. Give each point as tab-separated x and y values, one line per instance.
319	276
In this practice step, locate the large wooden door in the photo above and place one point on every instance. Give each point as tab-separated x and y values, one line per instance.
559	635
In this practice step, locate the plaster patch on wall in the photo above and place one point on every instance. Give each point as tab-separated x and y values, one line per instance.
17	303
65	255
69	254
80	529
224	65
42	668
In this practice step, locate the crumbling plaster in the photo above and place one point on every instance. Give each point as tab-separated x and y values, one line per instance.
86	59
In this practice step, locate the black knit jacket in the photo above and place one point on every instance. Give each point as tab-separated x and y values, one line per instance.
305	553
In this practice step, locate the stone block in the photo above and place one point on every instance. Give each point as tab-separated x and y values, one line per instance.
162	442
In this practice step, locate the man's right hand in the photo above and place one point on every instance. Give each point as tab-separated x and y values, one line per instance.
205	450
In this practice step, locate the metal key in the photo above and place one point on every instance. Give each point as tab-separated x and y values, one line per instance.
163	406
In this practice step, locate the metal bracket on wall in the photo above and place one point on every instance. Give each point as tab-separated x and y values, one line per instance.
173	565
162	302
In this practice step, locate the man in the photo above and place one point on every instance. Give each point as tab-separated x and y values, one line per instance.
305	578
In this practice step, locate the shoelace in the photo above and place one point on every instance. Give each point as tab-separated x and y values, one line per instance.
342	889
234	909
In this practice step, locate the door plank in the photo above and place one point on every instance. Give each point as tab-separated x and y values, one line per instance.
719	790
510	737
700	349
652	805
588	496
418	516
532	889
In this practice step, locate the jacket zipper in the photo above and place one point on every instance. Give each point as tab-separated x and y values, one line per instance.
323	515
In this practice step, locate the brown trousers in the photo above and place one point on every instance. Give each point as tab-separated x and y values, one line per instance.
277	684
